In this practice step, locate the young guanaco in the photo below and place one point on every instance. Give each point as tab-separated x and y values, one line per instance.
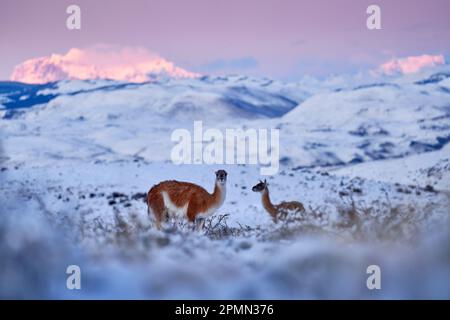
280	210
187	200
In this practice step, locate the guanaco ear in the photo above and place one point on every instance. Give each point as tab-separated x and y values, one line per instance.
265	181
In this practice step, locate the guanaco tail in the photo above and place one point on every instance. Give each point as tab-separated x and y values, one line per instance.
172	199
280	210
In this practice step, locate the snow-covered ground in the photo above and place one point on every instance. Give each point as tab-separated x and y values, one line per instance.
427	169
370	162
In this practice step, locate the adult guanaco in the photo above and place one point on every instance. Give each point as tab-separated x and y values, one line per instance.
280	210
186	200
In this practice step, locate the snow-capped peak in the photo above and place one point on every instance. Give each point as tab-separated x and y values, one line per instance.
132	64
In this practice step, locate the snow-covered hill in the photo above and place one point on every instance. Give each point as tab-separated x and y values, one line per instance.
212	98
426	169
98	120
107	119
370	122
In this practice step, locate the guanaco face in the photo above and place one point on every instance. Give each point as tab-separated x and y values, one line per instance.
185	200
221	177
276	210
260	187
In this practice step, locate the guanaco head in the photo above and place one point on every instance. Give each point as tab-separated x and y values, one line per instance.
221	177
260	187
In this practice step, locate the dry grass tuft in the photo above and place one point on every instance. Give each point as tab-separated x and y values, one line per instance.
216	228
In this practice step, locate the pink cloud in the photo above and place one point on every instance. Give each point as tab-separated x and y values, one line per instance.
133	64
411	64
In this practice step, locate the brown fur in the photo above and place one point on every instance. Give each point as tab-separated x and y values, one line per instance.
277	210
198	200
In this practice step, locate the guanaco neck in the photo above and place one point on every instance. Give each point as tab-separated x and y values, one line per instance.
267	204
218	196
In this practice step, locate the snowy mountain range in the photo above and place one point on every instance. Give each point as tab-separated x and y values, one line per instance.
103	119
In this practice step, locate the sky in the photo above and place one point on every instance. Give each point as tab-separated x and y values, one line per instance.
284	39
